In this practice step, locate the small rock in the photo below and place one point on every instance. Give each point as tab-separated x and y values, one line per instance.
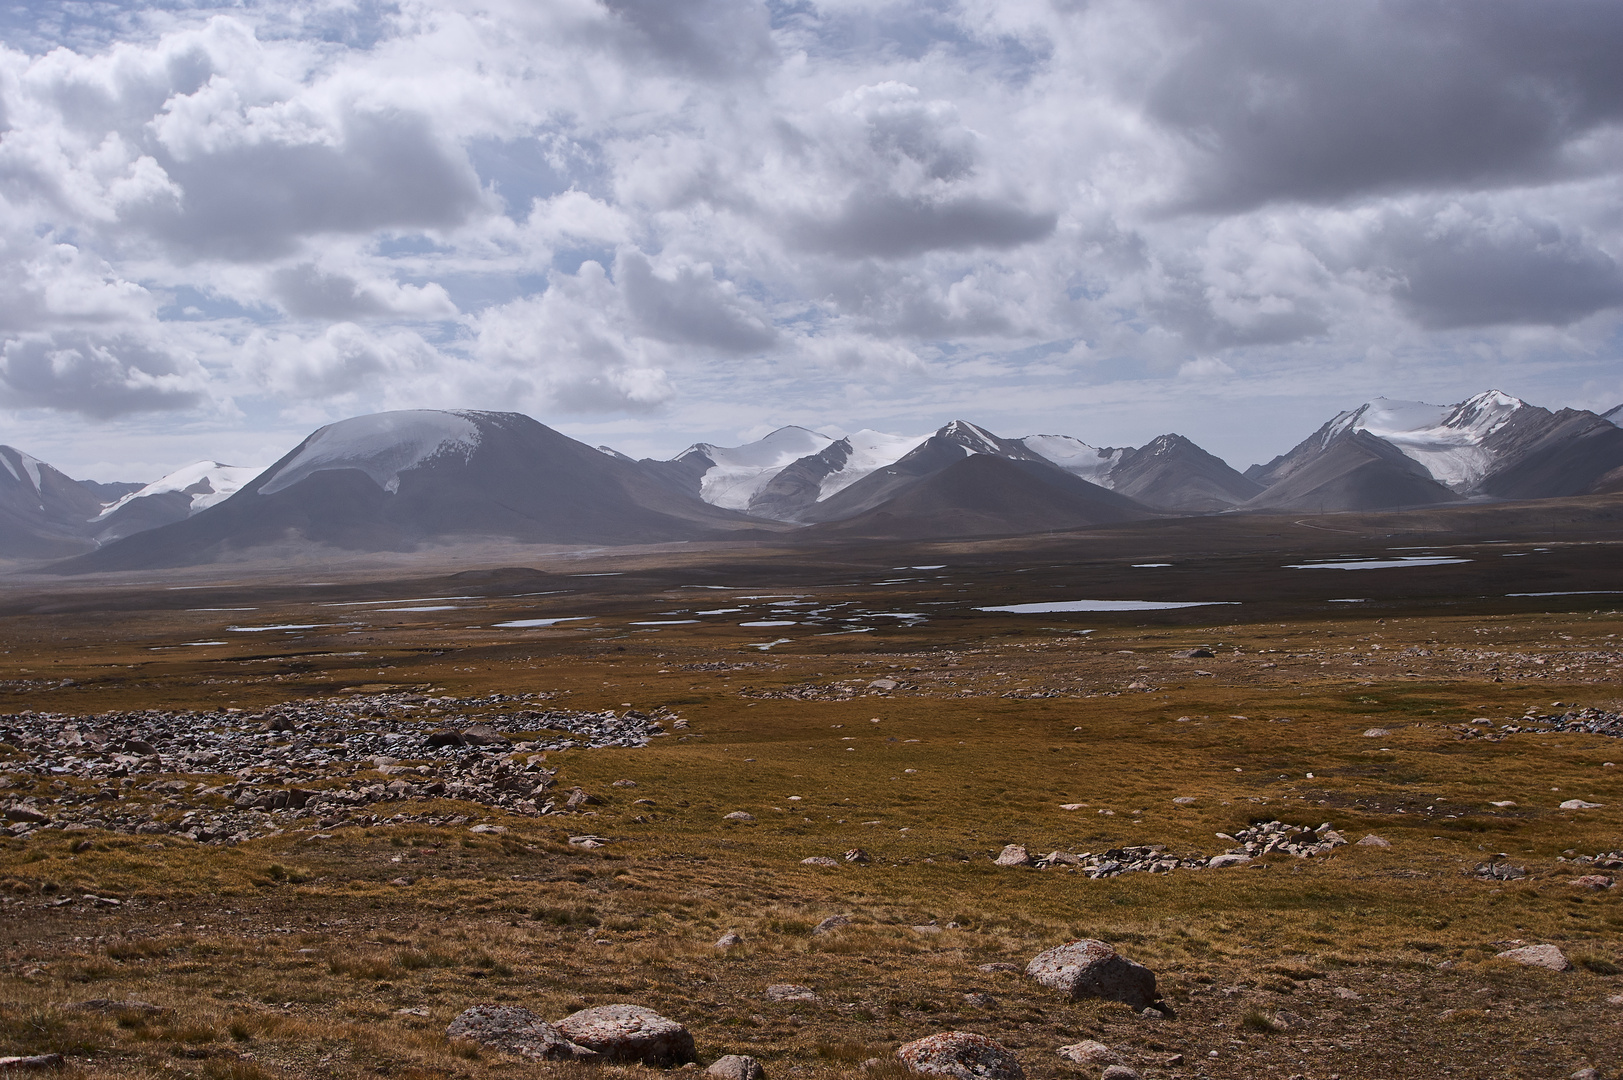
1592	881
1346	994
579	798
488	830
514	1030
1185	800
927	928
1013	855
1090	1054
1376	732
411	1010
1087	968
625	783
1218	862
980	1000
1544	956
736	1067
961	1054
483	735
739	815
400	882
629	1034
831	924
728	940
1590	1073
857	855
1579	804
1119	1072
1373	841
790	992
819	860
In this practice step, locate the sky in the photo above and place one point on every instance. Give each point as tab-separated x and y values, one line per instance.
652	222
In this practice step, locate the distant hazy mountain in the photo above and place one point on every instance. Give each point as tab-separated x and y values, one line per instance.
393	481
986	494
1347	469
1614	414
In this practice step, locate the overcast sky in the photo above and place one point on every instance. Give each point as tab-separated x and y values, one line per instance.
649	222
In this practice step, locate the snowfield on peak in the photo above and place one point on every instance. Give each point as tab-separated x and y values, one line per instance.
382	445
1447	440
870	451
207	482
1091	463
739	472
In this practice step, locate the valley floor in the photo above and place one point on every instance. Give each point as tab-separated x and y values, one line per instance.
224	803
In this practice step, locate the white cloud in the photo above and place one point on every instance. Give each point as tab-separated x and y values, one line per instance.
679	212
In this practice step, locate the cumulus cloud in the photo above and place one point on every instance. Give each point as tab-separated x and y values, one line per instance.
98	376
672	211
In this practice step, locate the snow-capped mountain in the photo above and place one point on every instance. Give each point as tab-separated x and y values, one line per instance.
798	487
1448	440
397	481
1169	472
1614	414
42	510
175	497
731	476
1491	444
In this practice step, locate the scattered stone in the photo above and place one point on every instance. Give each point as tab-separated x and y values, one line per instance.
1219	862
515	1030
1496	870
738	815
1087	968
736	1067
488	830
629	1034
790	992
1376	732
1013	855
729	940
999	968
1199	653
483	735
625	783
579	797
1184	800
926	928
1374	841
1347	994
32	1061
1118	1072
1592	881
1579	804
819	860
410	1010
589	841
980	999
1090	1054
961	1054
831	924
1544	956
857	855
1590	1073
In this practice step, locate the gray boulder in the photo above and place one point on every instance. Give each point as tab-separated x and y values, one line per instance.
1092	969
514	1030
629	1034
1090	1053
1013	855
961	1054
736	1067
1544	956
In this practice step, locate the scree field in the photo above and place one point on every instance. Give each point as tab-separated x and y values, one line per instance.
266	823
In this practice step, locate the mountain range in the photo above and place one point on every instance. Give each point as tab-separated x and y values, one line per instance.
396	481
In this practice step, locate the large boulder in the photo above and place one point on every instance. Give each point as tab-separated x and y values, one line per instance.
629	1033
961	1054
516	1031
1086	968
